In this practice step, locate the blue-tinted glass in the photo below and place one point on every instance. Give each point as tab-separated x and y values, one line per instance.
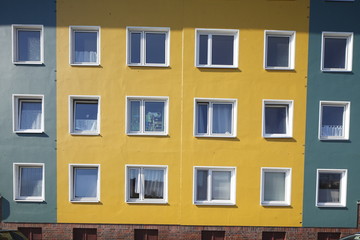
30	115
203	49
155	47
201	185
154	116
135	116
332	115
222	50
135	47
28	45
202	117
134	182
86	182
275	119
277	51
85	47
335	53
329	187
222	118
31	181
153	183
86	116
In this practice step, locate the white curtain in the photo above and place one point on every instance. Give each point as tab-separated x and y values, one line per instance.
221	181
332	130
86	182
30	115
222	118
274	186
85	56
28	45
154	183
86	125
31	181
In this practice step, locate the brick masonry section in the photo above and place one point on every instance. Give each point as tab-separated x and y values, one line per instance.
58	231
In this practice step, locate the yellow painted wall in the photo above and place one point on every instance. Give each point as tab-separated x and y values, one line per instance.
181	82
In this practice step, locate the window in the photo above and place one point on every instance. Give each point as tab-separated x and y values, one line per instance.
277	118
28	113
212	235
31	233
331	187
85	45
215	117
28	44
84	234
217	48
334	120
273	236
279	50
214	185
148	46
146	184
147	115
84	115
337	50
275	186
146	234
328	236
29	182
84	182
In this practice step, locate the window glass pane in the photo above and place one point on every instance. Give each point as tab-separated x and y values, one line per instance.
135	116
30	115
274	186
135	47
154	116
155	47
222	118
332	121
85	47
28	45
201	185
329	187
31	181
202	117
86	116
86	182
221	185
203	49
278	51
222	50
154	183
275	119
134	182
335	53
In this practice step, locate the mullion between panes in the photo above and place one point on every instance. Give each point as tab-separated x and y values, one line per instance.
210	119
19	182
343	121
209	192
19	114
142	48
209	50
142	116
142	184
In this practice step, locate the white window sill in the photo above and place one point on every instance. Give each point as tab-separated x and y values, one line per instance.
85	64
215	136
147	201
85	201
29	131
278	204
148	134
336	70
29	63
147	65
216	66
277	136
333	139
85	133
215	203
30	200
330	205
280	68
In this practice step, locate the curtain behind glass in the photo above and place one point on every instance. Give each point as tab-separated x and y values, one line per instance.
30	115
135	116
278	51
221	181
329	187
201	185
154	116
85	47
28	45
134	182
31	181
274	186
332	121
86	116
154	183
222	118
86	182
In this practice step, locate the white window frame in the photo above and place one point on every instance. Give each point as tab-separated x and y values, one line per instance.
72	197
16	183
289	122
16	99
291	58
72	31
141	198
82	98
288	175
232	200
26	27
212	101
210	32
349	50
343	188
142	100
143	31
346	119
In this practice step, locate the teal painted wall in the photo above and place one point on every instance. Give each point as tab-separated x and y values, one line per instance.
333	17
27	79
